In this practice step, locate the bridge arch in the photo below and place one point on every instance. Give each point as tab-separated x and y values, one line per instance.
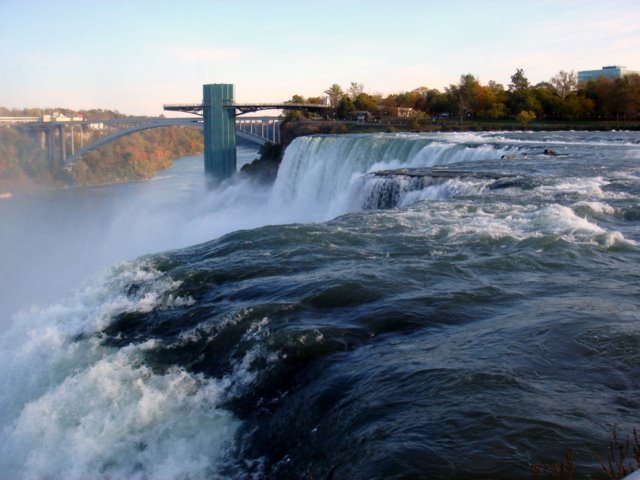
168	122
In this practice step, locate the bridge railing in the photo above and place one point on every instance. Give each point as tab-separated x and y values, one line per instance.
179	105
276	105
266	129
261	105
19	119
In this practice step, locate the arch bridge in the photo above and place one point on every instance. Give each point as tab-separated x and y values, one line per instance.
56	136
258	130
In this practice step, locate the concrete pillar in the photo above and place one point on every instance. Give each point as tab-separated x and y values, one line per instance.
63	147
219	132
51	145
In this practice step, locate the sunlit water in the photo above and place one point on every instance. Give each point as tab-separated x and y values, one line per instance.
462	322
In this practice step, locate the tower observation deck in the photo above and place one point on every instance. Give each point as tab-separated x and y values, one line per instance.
219	112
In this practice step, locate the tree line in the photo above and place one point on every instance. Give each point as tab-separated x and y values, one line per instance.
560	98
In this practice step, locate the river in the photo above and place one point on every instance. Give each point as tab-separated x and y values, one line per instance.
54	240
457	305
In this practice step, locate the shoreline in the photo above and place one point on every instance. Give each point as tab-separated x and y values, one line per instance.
49	188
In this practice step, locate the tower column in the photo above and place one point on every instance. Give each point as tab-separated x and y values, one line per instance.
219	131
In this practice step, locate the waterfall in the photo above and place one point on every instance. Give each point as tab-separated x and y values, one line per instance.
324	173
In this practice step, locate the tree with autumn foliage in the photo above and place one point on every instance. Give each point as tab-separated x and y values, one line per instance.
137	156
366	102
24	165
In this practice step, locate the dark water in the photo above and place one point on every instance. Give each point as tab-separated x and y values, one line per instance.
462	320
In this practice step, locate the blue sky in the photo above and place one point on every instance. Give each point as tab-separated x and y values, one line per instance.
134	56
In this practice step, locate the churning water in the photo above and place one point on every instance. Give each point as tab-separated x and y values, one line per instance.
395	306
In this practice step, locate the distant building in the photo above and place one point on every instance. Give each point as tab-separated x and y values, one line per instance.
360	116
606	72
59	117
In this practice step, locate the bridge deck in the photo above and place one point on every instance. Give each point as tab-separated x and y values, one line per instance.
198	108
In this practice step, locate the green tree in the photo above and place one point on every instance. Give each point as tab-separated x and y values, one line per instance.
521	96
335	93
345	108
627	97
437	102
601	92
518	81
550	102
296	114
577	107
315	100
464	94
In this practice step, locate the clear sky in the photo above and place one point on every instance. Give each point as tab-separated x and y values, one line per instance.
135	55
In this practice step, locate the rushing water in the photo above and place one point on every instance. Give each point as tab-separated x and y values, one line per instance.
469	311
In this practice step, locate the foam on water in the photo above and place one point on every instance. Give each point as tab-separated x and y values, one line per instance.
118	419
561	220
78	409
461	221
597	208
586	187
